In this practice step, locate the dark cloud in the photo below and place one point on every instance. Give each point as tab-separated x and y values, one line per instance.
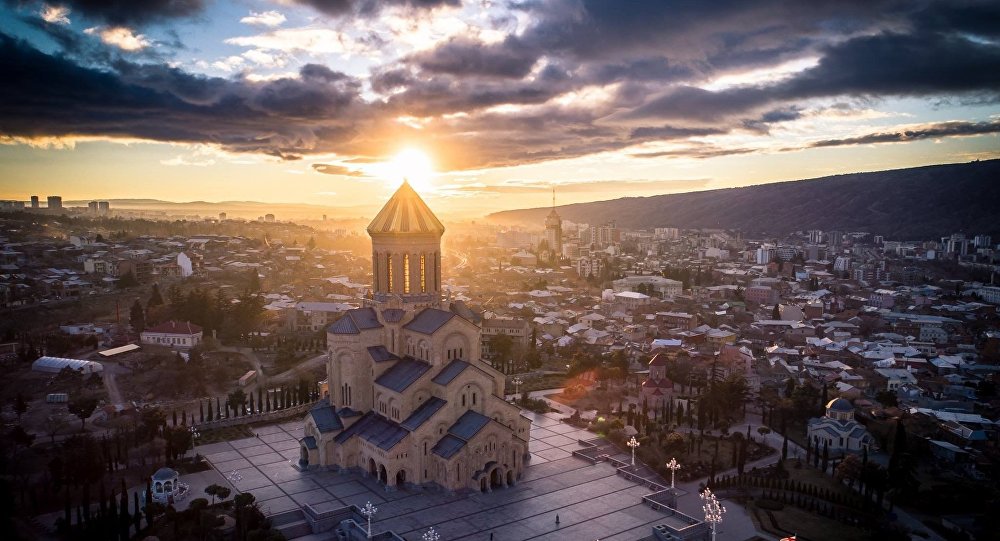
465	57
673	132
340	170
52	96
339	8
134	12
933	131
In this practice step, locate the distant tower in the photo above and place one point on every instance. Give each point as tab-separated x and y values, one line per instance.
269	217
103	207
406	250
34	201
553	229
222	216
55	202
92	207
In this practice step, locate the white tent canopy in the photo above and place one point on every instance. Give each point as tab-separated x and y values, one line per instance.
56	364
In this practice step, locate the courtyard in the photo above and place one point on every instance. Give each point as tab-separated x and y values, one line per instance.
590	501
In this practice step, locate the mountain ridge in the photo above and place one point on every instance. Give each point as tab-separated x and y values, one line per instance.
912	203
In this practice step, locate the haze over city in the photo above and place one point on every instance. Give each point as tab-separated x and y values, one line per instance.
484	104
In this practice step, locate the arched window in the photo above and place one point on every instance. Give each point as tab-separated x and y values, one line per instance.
463	400
388	268
406	273
473	399
423	274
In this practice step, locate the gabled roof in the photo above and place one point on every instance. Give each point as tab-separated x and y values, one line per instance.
464	429
175	327
468	425
381	354
374	429
355	321
450	372
326	418
405	212
660	359
429	320
423	413
403	374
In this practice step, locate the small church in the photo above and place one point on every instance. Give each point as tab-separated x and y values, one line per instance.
838	429
410	399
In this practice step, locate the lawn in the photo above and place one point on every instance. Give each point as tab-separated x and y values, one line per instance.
807	526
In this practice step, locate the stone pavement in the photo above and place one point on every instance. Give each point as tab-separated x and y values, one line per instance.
590	501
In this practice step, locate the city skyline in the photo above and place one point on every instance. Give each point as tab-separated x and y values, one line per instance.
332	103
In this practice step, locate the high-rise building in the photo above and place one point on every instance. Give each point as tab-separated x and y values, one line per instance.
410	399
222	216
55	202
34	201
553	229
834	239
92	207
103	207
269	217
815	236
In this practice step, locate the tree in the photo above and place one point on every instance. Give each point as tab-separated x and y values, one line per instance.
137	317
776	312
253	284
887	398
155	298
236	400
83	408
502	345
53	424
20	406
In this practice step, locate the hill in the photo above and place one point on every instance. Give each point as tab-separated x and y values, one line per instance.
916	203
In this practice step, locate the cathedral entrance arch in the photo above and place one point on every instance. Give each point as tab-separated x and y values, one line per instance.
400	478
510	478
382	475
372	468
482	484
496	479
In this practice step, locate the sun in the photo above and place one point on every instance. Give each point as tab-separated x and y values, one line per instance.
415	166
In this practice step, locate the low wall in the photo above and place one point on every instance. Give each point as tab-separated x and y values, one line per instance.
269	417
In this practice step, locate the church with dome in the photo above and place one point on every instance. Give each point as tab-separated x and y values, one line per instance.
838	429
410	400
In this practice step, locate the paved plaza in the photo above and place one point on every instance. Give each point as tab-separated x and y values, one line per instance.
591	501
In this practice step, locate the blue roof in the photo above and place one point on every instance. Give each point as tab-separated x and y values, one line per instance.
381	354
468	425
347	412
325	417
448	446
355	321
375	429
309	442
423	413
429	320
450	372
393	315
403	374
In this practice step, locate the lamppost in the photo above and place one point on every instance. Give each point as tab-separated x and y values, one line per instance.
633	443
713	510
517	385
194	436
431	535
673	466
368	510
234	476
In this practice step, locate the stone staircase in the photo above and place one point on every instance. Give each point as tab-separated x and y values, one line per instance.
292	524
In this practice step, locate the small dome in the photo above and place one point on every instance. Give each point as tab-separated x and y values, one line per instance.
164	474
839	404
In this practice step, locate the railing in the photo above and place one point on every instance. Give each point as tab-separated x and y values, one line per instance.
275	415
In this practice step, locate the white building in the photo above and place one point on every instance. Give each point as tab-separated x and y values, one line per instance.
838	429
184	262
54	365
666	287
173	334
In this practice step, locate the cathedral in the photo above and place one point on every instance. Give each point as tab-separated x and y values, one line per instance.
410	400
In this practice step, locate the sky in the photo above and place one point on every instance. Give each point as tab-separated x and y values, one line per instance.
484	105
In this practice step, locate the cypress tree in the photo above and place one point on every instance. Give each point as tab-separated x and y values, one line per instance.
137	515
209	410
201	411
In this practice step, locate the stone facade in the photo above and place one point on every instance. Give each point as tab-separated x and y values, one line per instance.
410	400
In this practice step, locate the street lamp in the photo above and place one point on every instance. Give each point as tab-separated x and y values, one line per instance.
235	476
713	510
368	510
431	535
517	385
194	436
633	443
673	466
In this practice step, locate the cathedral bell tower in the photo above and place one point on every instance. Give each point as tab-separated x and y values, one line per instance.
406	251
